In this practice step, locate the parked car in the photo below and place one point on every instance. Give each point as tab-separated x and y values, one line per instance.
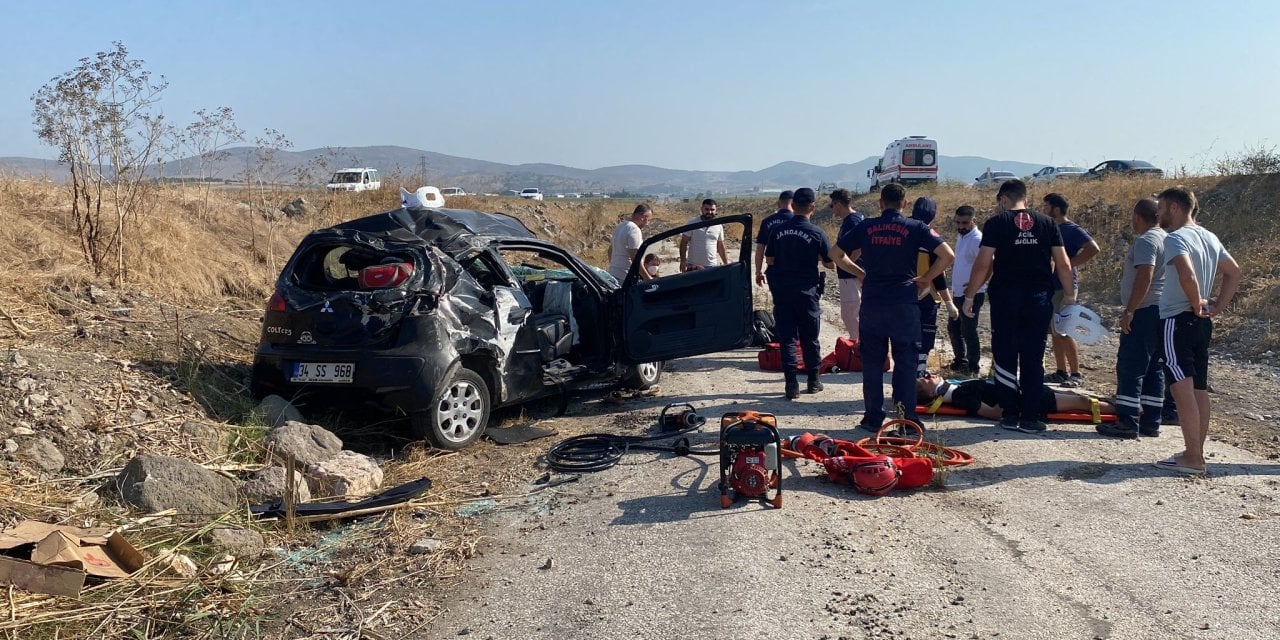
532	193
1124	168
452	191
446	314
1051	174
992	179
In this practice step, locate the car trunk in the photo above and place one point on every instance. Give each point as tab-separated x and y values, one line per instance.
343	292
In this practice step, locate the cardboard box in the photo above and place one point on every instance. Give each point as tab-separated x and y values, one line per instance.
62	556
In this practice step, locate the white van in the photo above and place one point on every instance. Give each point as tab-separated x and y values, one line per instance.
908	161
452	191
355	179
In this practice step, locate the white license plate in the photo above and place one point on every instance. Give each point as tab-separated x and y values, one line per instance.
335	372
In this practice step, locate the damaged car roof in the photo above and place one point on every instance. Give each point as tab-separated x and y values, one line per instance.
444	227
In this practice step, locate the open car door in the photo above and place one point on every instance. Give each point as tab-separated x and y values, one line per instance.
692	313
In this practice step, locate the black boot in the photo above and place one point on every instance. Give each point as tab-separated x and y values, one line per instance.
814	385
793	385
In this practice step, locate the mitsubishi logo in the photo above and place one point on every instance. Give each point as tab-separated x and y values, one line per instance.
326	308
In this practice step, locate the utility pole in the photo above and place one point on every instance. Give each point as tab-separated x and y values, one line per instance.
422	169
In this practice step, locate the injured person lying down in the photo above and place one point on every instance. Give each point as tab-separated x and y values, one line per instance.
982	398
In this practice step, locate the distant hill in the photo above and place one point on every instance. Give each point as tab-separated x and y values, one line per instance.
315	165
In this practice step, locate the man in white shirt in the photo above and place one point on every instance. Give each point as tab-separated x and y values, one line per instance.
703	247
1193	258
627	239
964	329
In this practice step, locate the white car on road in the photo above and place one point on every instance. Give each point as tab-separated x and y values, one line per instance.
1050	174
532	193
992	179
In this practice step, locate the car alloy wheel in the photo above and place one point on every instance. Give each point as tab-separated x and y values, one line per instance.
644	375
459	414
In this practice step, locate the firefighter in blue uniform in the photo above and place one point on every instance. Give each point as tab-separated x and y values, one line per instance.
890	316
793	250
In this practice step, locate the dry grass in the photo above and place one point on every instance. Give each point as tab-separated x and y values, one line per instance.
1243	210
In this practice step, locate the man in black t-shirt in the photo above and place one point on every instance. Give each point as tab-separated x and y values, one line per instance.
793	250
1020	249
783	214
890	315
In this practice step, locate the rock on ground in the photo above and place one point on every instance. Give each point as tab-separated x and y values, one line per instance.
348	475
308	443
241	543
268	485
204	438
42	454
156	483
276	411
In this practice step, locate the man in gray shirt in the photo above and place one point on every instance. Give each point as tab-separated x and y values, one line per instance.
1194	258
1139	365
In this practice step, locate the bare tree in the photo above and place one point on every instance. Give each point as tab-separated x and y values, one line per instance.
207	139
265	171
102	118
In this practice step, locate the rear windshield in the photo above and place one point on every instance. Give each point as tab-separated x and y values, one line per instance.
337	267
919	157
1138	164
1001	174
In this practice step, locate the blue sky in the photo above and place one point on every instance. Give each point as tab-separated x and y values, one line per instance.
689	85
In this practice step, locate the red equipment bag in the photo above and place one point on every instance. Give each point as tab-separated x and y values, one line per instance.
848	358
770	357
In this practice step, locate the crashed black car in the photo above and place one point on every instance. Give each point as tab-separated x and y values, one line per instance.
445	314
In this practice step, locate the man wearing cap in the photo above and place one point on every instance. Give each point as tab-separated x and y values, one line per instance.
762	236
702	248
850	282
890	317
1139	367
925	210
793	250
1021	249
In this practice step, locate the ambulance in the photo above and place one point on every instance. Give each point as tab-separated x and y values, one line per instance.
910	160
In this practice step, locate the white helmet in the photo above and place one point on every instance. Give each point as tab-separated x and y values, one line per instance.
1079	323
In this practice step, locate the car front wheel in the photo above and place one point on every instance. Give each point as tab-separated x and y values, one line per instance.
644	375
459	414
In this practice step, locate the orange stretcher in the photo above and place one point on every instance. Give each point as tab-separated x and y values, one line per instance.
1096	416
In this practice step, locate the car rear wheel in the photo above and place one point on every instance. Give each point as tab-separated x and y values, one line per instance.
457	417
644	375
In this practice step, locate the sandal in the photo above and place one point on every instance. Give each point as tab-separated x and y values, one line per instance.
1171	464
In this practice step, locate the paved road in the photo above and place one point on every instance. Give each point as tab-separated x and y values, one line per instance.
1061	535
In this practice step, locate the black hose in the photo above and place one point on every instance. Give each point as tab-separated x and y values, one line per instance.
599	451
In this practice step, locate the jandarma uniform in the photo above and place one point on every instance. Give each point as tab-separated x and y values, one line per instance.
796	247
769	224
1020	297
